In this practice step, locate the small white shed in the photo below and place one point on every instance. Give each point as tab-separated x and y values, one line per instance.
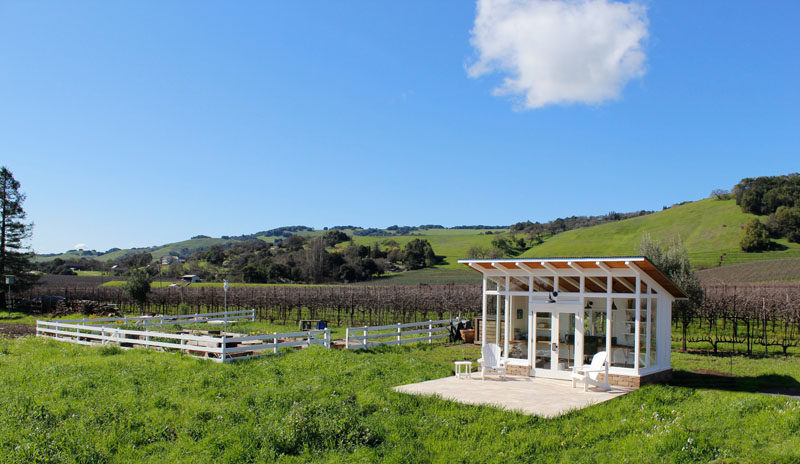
550	314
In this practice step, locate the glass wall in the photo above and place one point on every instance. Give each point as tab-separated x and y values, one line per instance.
653	332
543	324
594	327
623	332
518	324
643	333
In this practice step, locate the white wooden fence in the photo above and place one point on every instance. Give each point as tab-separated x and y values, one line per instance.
362	336
223	348
147	321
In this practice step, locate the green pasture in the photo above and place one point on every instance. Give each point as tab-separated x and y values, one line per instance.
68	403
428	276
453	244
711	230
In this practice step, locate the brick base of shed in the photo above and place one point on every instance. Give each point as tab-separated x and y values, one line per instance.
614	379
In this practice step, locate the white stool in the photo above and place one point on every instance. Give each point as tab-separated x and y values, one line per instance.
464	369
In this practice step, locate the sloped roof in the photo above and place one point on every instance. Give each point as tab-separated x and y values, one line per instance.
615	262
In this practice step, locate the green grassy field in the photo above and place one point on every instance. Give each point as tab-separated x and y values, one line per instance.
710	229
429	276
69	403
453	244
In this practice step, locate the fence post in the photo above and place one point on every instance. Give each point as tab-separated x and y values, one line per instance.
222	355
399	333
327	338
430	331
365	340
347	338
253	315
275	342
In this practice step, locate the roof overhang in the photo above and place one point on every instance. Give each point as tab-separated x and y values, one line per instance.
571	266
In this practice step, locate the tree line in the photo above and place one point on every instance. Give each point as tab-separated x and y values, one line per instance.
777	198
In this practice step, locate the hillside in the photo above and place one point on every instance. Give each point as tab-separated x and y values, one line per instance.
710	229
450	243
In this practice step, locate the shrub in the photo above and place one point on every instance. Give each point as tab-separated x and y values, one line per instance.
756	237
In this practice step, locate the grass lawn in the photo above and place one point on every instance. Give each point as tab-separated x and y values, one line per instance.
69	403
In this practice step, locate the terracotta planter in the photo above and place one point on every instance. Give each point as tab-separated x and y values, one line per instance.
468	335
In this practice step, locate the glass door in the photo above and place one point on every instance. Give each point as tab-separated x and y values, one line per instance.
556	330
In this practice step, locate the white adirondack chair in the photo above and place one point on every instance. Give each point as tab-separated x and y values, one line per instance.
588	373
490	361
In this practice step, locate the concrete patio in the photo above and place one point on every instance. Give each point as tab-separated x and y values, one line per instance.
528	395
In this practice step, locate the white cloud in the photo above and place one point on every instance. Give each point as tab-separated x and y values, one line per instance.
79	246
560	51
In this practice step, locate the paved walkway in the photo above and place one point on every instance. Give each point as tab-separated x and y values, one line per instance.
528	395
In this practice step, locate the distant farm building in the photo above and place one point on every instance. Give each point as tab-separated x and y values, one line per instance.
167	260
191	278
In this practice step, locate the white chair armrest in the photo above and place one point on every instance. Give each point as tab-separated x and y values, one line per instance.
580	368
593	370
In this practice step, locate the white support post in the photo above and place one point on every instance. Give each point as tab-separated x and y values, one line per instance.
637	343
580	330
506	315
497	321
399	333
483	313
253	315
275	342
347	338
647	332
609	314
365	340
327	338
430	331
222	355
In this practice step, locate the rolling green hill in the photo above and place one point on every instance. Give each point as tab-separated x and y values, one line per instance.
453	244
710	229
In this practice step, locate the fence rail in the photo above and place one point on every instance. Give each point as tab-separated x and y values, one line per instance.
432	329
161	321
224	348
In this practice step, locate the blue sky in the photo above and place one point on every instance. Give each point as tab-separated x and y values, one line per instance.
141	123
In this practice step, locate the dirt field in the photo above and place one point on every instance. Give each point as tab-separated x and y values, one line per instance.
17	330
